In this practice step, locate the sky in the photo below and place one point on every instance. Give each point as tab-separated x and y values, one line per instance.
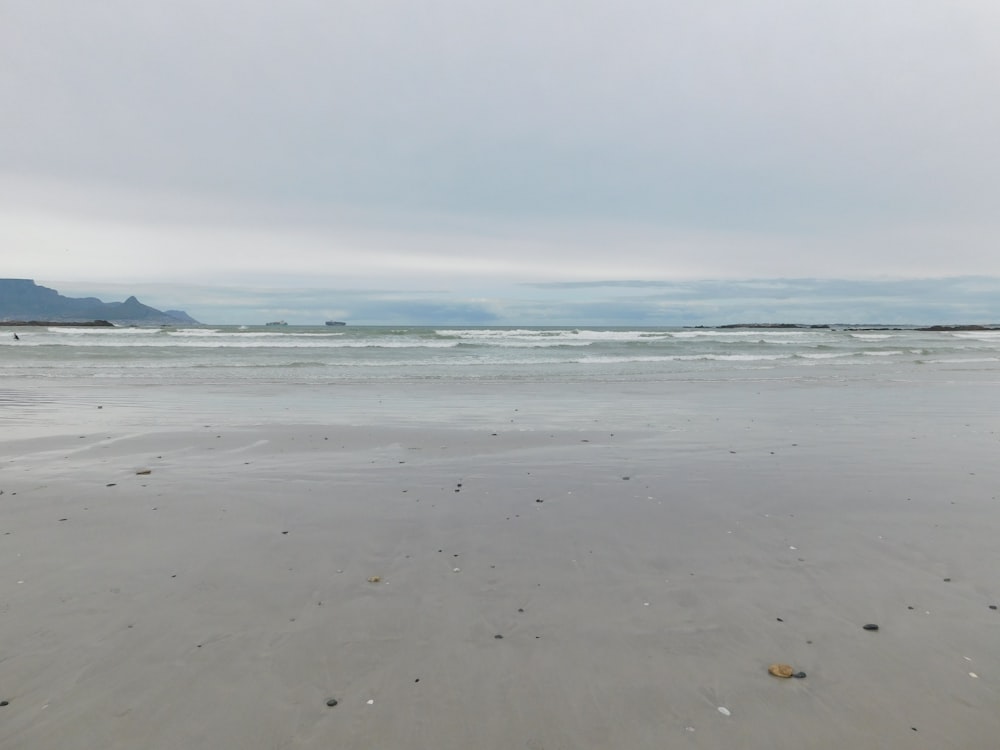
648	162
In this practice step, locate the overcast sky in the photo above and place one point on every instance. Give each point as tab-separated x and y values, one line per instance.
478	161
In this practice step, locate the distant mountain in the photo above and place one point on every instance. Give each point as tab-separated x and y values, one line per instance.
23	299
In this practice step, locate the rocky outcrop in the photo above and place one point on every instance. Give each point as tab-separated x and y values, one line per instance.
66	323
23	300
960	328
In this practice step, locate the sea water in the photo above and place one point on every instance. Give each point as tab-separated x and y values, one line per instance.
51	378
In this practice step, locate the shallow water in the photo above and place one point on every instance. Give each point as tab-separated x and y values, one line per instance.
63	380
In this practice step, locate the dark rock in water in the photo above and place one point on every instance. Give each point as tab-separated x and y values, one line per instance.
958	328
871	626
799	675
332	702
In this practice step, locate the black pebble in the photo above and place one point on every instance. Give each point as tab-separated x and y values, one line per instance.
779	619
947	580
498	636
4	703
799	675
871	626
993	606
332	702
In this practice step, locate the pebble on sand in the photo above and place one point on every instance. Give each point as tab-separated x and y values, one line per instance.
870	626
375	579
781	670
144	471
332	702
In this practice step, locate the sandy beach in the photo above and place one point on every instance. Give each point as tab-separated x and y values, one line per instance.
616	569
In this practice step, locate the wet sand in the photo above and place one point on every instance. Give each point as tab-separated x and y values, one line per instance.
642	563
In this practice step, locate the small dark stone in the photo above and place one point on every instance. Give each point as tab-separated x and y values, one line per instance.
871	626
539	500
947	580
4	703
799	675
779	619
909	607
993	606
498	636
284	532
522	610
332	702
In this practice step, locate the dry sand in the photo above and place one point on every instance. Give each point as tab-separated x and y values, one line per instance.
643	573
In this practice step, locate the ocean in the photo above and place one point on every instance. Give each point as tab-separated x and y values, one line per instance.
168	376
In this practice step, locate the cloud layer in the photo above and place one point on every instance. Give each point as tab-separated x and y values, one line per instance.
449	144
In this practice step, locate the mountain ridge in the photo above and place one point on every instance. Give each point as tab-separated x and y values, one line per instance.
24	300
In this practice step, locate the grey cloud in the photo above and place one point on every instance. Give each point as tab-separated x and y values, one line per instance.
675	139
768	114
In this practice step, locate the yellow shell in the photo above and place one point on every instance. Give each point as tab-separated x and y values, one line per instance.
781	670
375	579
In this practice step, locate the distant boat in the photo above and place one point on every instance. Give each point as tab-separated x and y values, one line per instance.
336	323
276	323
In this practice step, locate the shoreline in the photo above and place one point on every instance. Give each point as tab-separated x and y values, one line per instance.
644	554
